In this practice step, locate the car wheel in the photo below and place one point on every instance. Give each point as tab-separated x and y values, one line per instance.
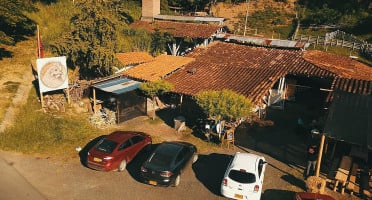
122	166
177	181
195	158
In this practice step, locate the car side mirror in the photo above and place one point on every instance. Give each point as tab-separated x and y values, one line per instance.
263	163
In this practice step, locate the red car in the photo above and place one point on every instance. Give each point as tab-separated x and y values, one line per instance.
311	196
116	150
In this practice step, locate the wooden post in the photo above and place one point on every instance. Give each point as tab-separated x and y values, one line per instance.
41	99
320	155
68	96
94	101
117	110
181	98
246	16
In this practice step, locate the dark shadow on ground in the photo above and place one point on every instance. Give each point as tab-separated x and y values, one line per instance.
272	194
195	123
294	181
210	169
134	167
167	115
277	136
5	53
83	153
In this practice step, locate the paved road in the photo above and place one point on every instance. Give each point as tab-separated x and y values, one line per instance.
13	186
71	180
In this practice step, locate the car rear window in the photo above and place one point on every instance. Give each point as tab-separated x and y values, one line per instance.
106	146
242	176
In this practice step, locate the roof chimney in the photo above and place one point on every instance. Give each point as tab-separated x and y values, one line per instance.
150	8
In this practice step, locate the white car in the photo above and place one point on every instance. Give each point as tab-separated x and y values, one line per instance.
244	177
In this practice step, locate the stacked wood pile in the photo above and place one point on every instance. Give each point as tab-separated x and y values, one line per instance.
78	91
103	118
55	102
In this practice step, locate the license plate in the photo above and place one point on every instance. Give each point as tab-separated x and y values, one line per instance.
153	183
97	159
238	196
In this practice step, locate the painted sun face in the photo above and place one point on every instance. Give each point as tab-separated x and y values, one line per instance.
53	74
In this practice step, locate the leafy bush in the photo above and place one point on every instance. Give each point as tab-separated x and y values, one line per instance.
226	104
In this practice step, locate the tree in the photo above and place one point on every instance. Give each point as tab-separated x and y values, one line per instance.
323	15
156	88
91	44
225	104
13	22
136	40
159	42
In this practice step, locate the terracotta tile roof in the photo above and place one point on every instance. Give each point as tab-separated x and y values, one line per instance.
130	58
356	86
178	29
343	66
250	71
158	68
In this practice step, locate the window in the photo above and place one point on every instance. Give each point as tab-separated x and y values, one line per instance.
106	146
181	155
241	176
125	145
136	139
260	166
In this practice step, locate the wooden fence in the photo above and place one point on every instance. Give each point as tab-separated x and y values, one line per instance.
333	42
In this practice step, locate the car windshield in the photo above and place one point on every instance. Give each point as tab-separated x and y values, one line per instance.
106	146
242	176
163	156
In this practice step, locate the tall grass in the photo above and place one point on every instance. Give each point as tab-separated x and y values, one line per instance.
37	132
54	19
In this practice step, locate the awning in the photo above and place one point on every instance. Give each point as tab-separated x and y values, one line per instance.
118	86
350	118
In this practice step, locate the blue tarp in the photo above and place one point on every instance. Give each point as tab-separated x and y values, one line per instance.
118	86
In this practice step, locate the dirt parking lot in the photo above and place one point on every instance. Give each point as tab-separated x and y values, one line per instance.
70	179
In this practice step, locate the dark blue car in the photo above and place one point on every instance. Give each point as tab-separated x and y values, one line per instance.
165	164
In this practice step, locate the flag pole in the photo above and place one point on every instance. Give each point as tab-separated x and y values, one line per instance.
39	56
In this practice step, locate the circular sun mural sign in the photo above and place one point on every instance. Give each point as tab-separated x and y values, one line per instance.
52	73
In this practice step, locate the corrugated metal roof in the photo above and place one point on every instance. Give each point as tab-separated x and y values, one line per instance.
118	86
178	29
190	18
265	41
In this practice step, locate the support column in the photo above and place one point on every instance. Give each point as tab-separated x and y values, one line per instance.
320	155
94	101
